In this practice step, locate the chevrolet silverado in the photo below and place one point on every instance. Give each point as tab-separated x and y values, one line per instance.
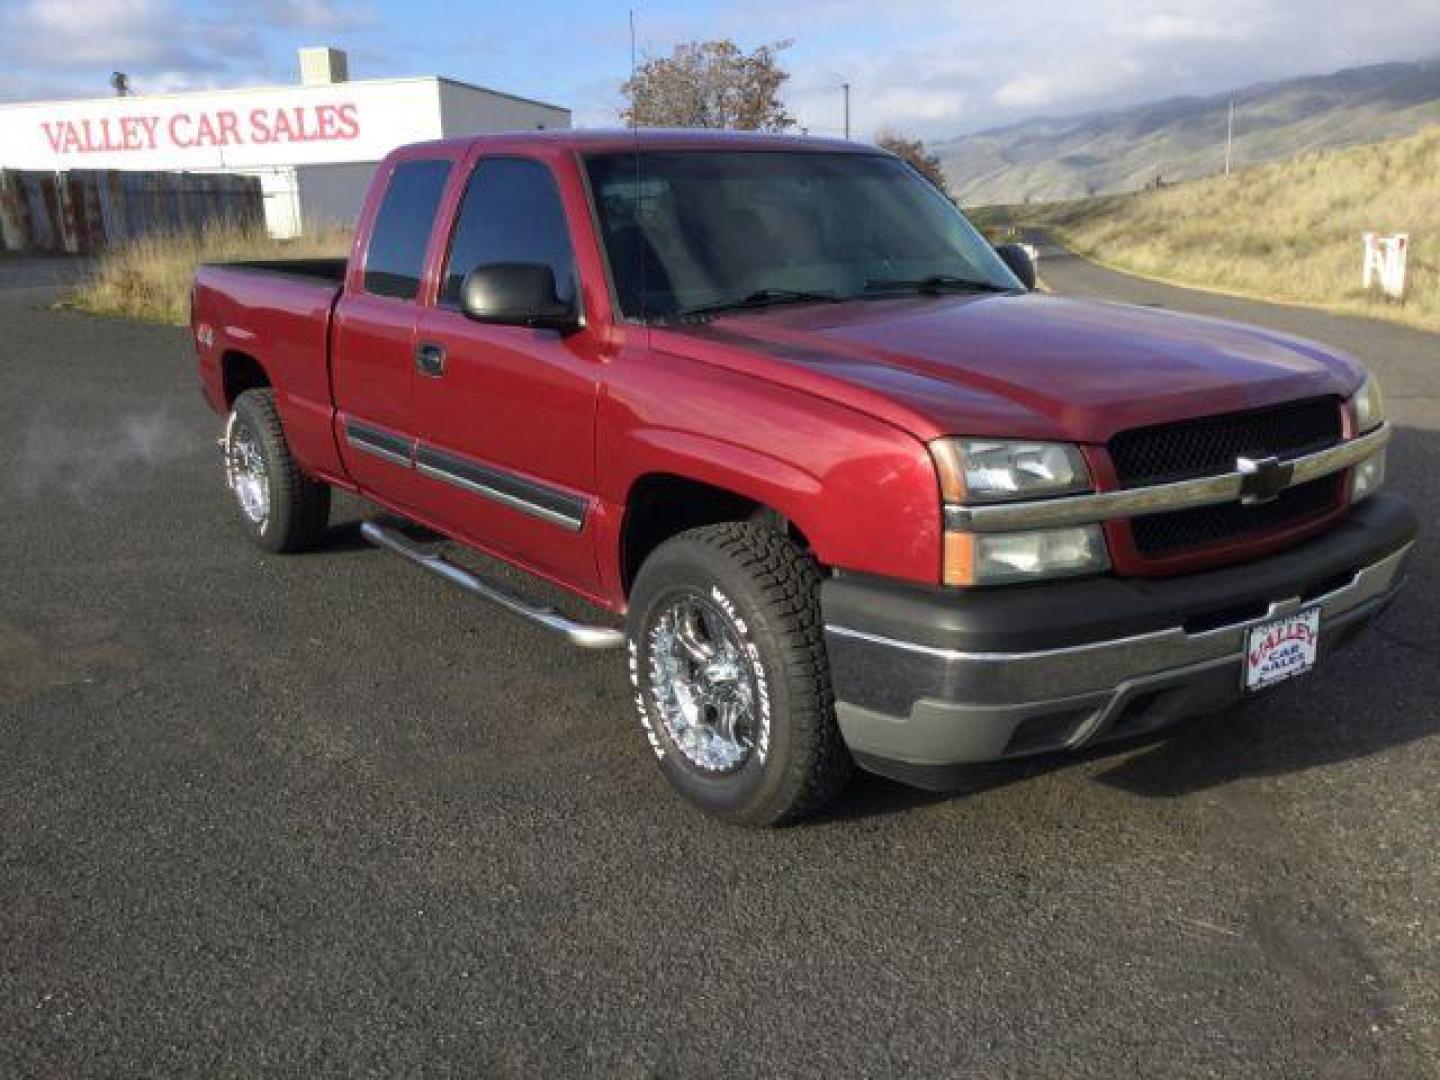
840	483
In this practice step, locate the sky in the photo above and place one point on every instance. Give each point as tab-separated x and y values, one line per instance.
932	69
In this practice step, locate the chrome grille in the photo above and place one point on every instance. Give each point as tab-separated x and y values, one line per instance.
1210	444
1159	535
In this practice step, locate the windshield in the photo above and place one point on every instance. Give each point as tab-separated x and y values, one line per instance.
693	232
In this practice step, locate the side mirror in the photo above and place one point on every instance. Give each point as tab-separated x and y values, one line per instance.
1018	259
516	294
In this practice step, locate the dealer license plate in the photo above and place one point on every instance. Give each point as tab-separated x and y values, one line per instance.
1281	649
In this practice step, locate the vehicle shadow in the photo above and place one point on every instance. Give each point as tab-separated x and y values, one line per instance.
347	513
343	537
1270	739
870	795
1300	730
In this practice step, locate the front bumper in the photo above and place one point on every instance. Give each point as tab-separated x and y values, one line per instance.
928	679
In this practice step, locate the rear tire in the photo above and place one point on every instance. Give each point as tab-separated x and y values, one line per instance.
727	662
281	509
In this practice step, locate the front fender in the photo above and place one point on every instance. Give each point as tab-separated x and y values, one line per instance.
862	491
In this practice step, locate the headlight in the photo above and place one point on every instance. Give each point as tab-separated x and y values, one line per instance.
999	558
987	470
975	471
1368	406
1368	477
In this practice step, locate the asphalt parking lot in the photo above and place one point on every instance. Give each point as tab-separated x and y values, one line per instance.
323	815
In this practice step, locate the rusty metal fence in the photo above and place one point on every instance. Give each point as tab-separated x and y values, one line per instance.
87	210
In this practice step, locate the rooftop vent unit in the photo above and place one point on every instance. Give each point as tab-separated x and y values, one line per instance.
323	66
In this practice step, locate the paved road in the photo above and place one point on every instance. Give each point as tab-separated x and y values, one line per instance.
323	815
39	275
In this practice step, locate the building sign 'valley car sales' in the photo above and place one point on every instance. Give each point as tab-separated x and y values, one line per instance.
263	127
215	128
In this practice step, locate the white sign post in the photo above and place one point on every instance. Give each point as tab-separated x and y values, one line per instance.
1385	263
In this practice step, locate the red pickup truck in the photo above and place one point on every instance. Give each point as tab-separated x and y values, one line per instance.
859	494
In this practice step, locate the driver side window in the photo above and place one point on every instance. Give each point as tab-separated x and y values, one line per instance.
511	214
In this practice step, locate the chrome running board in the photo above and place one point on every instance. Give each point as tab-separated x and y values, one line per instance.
425	556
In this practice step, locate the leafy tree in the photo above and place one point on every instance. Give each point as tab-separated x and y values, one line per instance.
710	84
914	151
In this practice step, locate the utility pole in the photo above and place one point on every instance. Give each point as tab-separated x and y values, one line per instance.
846	87
1229	137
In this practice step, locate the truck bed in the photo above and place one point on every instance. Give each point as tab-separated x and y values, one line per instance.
276	316
331	271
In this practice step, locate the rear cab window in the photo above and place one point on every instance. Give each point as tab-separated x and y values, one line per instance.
395	258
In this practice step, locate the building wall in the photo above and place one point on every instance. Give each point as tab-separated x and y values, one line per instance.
280	193
470	110
331	195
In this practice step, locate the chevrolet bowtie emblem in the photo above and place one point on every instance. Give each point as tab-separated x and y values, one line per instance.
1262	480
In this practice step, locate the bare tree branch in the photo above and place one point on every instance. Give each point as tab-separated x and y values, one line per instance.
710	84
914	151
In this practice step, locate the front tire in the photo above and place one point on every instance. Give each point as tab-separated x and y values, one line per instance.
731	681
281	509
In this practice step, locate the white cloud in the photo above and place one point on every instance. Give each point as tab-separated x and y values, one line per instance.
940	67
928	67
69	47
321	16
1027	92
1170	27
82	33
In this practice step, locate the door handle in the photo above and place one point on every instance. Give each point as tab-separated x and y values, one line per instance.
430	360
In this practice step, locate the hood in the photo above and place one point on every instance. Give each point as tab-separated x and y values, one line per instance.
1019	366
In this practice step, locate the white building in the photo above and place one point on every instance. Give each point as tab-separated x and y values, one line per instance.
314	145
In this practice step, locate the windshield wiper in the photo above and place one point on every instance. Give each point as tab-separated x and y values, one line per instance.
933	285
760	298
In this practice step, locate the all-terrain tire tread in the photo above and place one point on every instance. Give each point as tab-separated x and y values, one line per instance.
299	505
789	583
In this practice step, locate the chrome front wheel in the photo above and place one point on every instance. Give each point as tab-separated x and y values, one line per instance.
729	673
704	683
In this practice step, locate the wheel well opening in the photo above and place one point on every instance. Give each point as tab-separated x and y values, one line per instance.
662	506
241	372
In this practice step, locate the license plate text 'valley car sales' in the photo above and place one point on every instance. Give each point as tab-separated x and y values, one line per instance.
1281	649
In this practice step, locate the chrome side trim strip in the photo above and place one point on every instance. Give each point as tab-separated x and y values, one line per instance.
1161	498
381	444
503	488
1002	657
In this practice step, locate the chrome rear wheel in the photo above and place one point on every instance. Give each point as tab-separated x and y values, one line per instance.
245	470
280	507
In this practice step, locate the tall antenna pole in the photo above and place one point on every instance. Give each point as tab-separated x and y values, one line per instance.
1229	137
632	65
846	88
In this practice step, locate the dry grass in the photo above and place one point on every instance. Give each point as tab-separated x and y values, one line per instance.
150	278
1288	231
